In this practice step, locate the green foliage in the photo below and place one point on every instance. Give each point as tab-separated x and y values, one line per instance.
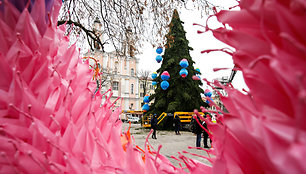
183	94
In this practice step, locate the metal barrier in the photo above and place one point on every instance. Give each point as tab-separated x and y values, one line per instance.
161	117
147	119
184	116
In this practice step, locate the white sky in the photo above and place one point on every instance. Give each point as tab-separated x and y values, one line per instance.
199	42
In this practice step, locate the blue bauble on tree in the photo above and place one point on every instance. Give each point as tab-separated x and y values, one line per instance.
146	99
183	72
159	58
154	83
165	75
164	85
154	75
145	107
198	70
159	50
184	63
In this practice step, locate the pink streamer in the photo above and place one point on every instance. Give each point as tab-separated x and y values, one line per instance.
49	120
50	123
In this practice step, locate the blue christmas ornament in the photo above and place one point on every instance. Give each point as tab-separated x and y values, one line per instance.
184	63
154	83
154	75
208	94
159	58
145	107
165	75
198	70
159	50
183	72
146	99
164	85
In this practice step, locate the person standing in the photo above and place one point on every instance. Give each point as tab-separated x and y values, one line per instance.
154	126
177	125
205	134
198	131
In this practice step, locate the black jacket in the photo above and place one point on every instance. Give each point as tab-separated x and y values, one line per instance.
177	121
154	121
198	128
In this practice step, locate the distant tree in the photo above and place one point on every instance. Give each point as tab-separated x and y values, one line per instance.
183	94
144	76
147	20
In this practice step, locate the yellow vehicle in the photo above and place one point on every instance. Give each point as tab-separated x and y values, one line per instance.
184	116
146	121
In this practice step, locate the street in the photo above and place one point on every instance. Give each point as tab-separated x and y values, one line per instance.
171	143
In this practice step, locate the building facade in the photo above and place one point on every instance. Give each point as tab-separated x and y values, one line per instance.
120	74
119	71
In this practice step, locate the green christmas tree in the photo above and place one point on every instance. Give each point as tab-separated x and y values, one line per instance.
183	94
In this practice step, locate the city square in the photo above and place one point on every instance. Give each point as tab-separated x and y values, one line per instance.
144	87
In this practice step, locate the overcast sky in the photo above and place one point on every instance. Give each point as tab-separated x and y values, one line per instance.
199	42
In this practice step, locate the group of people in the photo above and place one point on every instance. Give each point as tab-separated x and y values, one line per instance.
199	132
197	129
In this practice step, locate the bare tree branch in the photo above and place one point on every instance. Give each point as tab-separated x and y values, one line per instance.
147	20
144	77
89	33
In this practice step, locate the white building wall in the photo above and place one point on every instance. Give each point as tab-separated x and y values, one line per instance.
122	84
137	106
126	104
124	78
104	61
121	65
128	67
127	86
111	64
137	88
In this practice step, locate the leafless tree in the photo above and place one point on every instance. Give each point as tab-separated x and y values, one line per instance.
144	76
147	20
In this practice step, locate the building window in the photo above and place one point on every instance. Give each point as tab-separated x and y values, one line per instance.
116	67
141	94
151	87
132	88
132	72
115	86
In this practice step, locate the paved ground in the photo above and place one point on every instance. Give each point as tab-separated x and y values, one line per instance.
171	143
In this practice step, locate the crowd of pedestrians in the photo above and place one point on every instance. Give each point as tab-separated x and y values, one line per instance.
195	128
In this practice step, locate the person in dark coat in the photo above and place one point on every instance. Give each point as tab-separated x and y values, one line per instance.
154	126
205	134
177	125
198	132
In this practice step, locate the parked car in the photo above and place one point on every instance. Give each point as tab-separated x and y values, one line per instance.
133	119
